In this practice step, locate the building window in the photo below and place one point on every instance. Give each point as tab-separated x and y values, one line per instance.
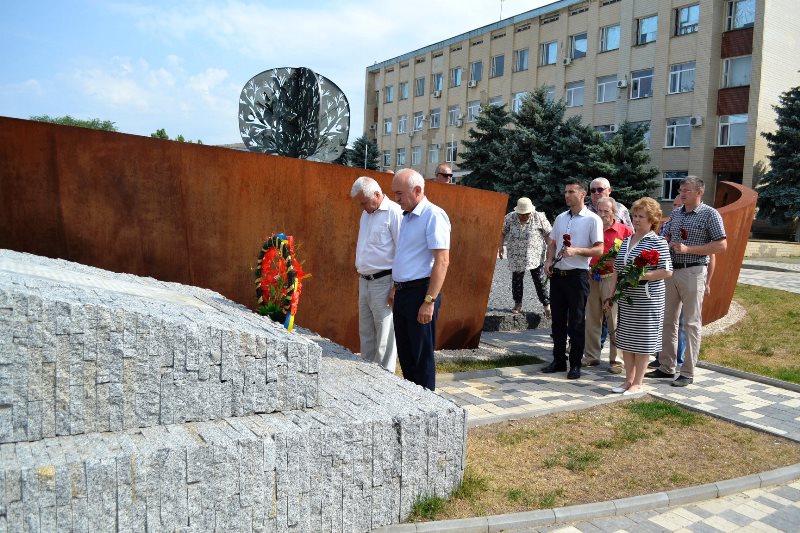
452	151
681	77
740	14
419	118
732	130
416	155
646	125
476	71
575	94
520	60
419	87
436	118
453	115
687	19
433	153
606	89
403	90
641	83
497	66
455	76
679	133
647	29
437	82
402	123
672	181
473	110
549	53
516	101
388	94
577	46
401	157
387	158
496	101
609	38
606	131
387	126
736	71
550	93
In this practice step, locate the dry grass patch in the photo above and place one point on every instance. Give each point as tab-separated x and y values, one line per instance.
765	341
600	454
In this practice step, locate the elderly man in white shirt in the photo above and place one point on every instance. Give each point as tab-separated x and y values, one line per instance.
378	233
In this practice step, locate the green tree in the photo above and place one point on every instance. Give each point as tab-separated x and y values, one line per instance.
361	146
779	189
625	161
66	120
161	133
344	157
485	150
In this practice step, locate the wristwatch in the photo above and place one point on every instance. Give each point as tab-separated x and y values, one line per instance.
429	299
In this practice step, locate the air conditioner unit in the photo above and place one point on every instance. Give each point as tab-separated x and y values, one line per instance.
696	121
459	123
373	127
613	128
472	83
621	84
566	61
437	94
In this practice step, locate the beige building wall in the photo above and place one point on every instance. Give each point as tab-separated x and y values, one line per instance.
558	22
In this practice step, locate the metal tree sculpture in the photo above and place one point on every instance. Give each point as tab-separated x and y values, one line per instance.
294	112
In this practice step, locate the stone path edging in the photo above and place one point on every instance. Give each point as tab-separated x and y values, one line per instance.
589	511
750	377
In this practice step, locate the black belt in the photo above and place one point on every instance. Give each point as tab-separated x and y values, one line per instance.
676	266
378	275
570	272
400	285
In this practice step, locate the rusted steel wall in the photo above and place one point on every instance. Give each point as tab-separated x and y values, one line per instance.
198	215
737	206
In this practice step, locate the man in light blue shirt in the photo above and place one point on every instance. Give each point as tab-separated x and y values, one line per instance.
419	269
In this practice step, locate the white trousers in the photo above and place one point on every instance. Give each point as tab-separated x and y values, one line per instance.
375	324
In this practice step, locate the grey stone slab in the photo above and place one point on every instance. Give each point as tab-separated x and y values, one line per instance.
692	494
640	503
466	525
780	475
739	484
528	519
584	511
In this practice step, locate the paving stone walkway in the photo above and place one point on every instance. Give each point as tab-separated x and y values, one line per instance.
519	392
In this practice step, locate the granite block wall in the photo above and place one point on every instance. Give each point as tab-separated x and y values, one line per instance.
119	432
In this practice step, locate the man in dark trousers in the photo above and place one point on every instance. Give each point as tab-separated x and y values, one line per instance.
420	266
577	236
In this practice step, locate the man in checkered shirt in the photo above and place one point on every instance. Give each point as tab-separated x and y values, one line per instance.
696	232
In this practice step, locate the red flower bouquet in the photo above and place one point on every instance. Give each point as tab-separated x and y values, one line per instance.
631	274
567	242
279	278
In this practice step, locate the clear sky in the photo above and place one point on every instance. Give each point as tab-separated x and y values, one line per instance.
180	65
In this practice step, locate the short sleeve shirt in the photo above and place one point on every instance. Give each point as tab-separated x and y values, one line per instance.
701	226
377	237
423	230
616	231
585	229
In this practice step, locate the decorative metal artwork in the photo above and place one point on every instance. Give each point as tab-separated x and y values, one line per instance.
294	112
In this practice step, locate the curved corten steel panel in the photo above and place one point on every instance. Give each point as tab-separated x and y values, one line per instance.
198	215
737	206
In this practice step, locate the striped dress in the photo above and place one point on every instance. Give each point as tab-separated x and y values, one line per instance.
639	325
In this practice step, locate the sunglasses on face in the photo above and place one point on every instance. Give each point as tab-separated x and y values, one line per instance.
597	190
443	174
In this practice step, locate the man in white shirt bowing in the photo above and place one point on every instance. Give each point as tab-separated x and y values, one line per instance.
378	233
420	266
576	237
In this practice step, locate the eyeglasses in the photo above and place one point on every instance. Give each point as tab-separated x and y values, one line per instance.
443	174
597	190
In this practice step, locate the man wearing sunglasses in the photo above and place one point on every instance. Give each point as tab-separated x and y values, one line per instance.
601	188
444	174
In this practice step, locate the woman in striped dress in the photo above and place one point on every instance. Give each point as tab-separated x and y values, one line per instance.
640	323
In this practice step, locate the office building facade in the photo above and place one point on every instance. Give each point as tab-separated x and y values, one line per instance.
702	74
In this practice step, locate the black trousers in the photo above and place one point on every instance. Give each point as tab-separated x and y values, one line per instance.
568	295
415	341
517	279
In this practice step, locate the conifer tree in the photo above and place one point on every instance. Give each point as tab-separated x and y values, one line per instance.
779	189
360	146
485	152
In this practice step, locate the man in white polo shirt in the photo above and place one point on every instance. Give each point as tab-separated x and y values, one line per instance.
577	236
420	266
378	232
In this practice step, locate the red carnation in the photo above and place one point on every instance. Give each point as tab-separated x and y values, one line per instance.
684	234
650	256
567	240
640	261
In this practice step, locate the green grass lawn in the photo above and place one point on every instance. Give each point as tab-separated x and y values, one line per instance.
466	364
765	342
